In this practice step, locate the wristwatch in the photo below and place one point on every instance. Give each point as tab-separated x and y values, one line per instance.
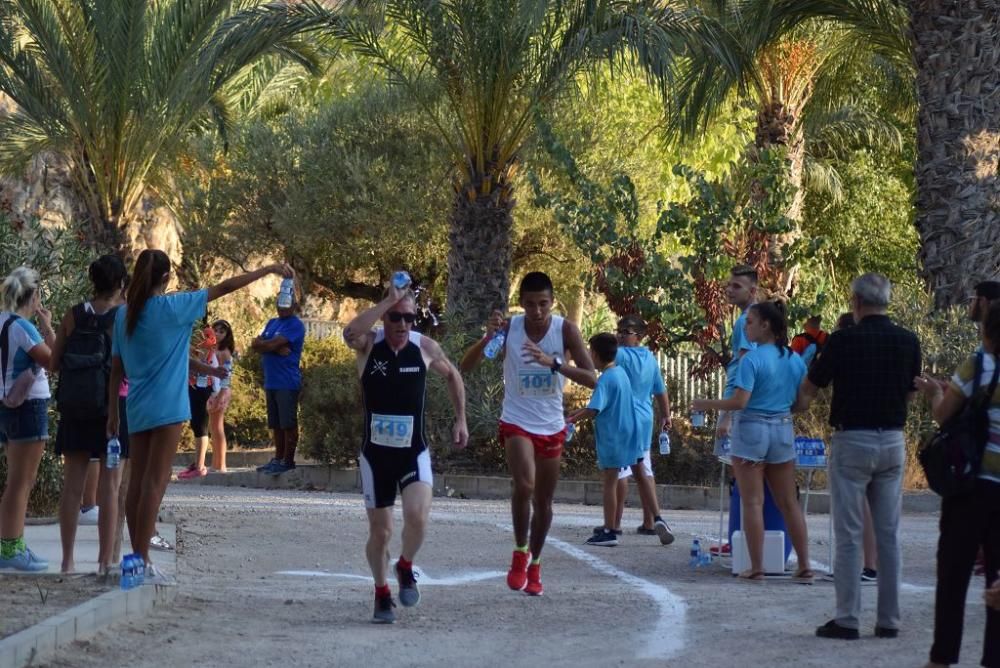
556	363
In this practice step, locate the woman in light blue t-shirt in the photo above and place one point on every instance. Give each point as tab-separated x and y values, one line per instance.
150	342
763	440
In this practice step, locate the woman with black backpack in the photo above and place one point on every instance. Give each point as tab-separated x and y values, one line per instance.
968	520
82	358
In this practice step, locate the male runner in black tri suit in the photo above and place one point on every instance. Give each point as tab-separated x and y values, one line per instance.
392	365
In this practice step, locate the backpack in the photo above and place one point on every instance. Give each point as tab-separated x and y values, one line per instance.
815	348
952	456
18	392
85	367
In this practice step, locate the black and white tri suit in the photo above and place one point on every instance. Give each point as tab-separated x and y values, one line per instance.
394	451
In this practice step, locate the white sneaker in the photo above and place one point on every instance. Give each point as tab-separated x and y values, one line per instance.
155	576
89	517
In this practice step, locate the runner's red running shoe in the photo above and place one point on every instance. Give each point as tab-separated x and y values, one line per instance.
517	576
534	586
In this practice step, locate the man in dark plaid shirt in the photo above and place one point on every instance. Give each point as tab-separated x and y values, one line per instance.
871	366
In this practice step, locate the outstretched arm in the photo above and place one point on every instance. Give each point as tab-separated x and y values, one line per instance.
440	364
236	282
358	333
737	402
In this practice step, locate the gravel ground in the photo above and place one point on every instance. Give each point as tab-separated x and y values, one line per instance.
273	578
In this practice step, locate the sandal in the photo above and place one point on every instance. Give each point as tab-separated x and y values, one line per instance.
805	576
751	576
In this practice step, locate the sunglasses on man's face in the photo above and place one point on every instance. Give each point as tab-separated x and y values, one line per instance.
396	316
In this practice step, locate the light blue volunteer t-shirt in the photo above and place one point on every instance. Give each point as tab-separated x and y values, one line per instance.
155	357
738	342
22	337
643	372
616	425
771	378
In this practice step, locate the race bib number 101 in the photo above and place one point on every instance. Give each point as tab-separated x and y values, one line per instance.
392	431
536	383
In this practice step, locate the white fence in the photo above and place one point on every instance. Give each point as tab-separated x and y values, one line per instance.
682	387
322	329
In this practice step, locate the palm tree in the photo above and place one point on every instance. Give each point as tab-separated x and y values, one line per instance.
797	78
954	48
498	64
114	87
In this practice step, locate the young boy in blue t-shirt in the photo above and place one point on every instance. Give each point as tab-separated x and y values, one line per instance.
616	428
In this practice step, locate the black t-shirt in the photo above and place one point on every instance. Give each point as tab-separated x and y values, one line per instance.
872	366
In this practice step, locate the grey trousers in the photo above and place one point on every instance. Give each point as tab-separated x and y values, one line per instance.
866	463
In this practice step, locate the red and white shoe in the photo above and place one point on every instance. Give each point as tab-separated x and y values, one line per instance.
517	576
534	586
726	550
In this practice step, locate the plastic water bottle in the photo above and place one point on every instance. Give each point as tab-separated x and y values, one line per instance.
725	444
128	567
495	345
401	280
664	443
286	295
570	430
706	559
697	418
114	453
695	560
140	570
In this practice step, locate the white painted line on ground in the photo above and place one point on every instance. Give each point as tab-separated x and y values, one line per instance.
424	579
667	639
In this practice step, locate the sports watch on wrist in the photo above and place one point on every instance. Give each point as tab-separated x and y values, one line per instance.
556	363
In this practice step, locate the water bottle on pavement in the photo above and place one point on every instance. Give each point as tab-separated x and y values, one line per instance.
140	570
286	294
664	443
114	453
695	560
570	430
401	280
127	580
495	345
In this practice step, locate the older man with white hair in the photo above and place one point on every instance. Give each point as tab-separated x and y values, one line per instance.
871	366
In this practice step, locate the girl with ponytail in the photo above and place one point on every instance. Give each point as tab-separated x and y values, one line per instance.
763	440
151	339
24	421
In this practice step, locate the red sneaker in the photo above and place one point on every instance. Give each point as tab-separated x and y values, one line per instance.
517	576
534	586
725	552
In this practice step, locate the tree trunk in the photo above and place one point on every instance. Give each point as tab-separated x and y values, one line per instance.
957	55
479	258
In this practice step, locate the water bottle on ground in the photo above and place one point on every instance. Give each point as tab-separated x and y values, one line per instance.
140	570
286	294
570	430
495	345
695	561
114	455
664	443
401	280
127	579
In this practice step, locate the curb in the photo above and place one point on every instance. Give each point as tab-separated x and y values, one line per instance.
81	622
317	477
234	458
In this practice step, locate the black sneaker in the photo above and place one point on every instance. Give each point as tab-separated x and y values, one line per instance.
869	575
265	467
884	632
617	532
409	595
280	467
383	610
643	531
834	630
604	539
663	531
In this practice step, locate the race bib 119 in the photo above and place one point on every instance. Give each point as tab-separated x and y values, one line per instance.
392	431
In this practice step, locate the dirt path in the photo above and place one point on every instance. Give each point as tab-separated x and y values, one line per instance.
275	578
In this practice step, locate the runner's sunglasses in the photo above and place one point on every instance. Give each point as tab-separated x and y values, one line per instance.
396	316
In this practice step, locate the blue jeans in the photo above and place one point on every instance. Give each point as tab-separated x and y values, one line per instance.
27	423
763	437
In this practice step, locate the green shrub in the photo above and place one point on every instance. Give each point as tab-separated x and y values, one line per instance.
330	415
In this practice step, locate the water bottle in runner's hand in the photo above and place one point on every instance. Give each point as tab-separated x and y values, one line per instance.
401	280
664	443
113	458
495	345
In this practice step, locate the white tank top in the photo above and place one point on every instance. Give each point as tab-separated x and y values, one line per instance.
533	395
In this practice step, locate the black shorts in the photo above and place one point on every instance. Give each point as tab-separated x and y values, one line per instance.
282	409
199	413
383	473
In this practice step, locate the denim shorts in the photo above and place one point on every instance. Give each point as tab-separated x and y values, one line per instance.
763	437
26	423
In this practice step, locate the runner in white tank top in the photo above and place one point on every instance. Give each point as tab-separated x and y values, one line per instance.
532	427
